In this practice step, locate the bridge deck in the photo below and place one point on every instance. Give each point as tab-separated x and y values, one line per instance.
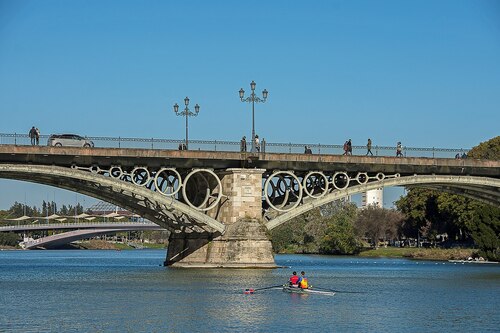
130	157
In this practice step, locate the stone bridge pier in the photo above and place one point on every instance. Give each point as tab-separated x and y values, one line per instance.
244	244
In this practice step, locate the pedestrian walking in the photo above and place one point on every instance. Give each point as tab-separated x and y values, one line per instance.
346	147
37	136
243	144
257	143
32	135
349	147
369	147
399	150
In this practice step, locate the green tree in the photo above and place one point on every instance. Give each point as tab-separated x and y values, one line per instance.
291	236
489	150
327	230
9	238
461	218
485	230
340	237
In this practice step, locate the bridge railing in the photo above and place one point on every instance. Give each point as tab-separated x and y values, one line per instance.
268	147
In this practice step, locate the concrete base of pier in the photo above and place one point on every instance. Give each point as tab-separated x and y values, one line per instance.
245	244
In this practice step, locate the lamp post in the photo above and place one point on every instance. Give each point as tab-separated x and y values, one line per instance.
187	113
253	99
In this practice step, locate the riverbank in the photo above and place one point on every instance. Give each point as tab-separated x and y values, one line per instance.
386	252
419	253
96	244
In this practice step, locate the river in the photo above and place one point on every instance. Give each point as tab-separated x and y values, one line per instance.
129	291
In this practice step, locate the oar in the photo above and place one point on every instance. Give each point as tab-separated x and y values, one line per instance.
252	290
338	291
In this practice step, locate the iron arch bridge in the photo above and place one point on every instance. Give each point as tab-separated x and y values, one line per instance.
212	202
181	200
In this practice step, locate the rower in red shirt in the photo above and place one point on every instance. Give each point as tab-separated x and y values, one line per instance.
294	280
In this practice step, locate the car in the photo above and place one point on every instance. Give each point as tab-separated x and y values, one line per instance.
69	140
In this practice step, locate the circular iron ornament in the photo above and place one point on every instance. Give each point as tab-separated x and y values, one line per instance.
314	180
362	178
116	171
140	176
288	189
219	184
380	176
340	180
166	174
95	169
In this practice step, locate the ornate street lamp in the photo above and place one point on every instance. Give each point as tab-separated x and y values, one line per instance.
253	99
187	113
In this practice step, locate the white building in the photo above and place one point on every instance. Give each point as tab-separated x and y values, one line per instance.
373	198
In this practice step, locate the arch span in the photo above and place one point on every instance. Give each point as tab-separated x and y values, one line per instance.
482	188
71	236
166	212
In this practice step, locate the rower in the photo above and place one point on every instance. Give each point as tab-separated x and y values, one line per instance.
294	280
303	281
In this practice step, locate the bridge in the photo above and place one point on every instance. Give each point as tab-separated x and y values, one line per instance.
219	205
78	231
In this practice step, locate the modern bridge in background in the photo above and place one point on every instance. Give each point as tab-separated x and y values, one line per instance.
219	205
77	231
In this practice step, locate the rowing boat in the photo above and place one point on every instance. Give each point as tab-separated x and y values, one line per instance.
296	290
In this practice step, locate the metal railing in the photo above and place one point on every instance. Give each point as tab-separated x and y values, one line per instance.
221	145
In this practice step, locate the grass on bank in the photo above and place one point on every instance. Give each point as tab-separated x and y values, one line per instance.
95	244
419	253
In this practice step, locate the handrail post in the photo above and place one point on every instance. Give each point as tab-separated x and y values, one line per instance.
432	152
119	142
15	139
319	148
215	145
290	147
151	143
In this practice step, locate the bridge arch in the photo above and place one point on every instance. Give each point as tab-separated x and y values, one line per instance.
167	212
484	189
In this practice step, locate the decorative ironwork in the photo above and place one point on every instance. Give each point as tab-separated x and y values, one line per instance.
285	190
200	189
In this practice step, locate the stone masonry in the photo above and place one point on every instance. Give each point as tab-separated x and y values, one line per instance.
245	243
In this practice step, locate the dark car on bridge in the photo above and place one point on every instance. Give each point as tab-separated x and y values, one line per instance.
69	140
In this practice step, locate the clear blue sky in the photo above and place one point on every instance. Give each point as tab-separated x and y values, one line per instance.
426	73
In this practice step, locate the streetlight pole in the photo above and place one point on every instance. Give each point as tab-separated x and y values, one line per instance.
186	113
253	99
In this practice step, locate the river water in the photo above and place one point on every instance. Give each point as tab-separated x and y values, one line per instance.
129	291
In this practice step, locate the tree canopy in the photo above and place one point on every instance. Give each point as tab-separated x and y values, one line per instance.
429	212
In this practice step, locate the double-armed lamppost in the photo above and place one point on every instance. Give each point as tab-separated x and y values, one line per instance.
187	113
253	99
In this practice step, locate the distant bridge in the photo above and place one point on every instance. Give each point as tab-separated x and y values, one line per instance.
218	205
78	231
81	225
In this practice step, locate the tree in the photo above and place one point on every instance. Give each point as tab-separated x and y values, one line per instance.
461	218
328	230
340	237
485	230
378	223
489	150
9	238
